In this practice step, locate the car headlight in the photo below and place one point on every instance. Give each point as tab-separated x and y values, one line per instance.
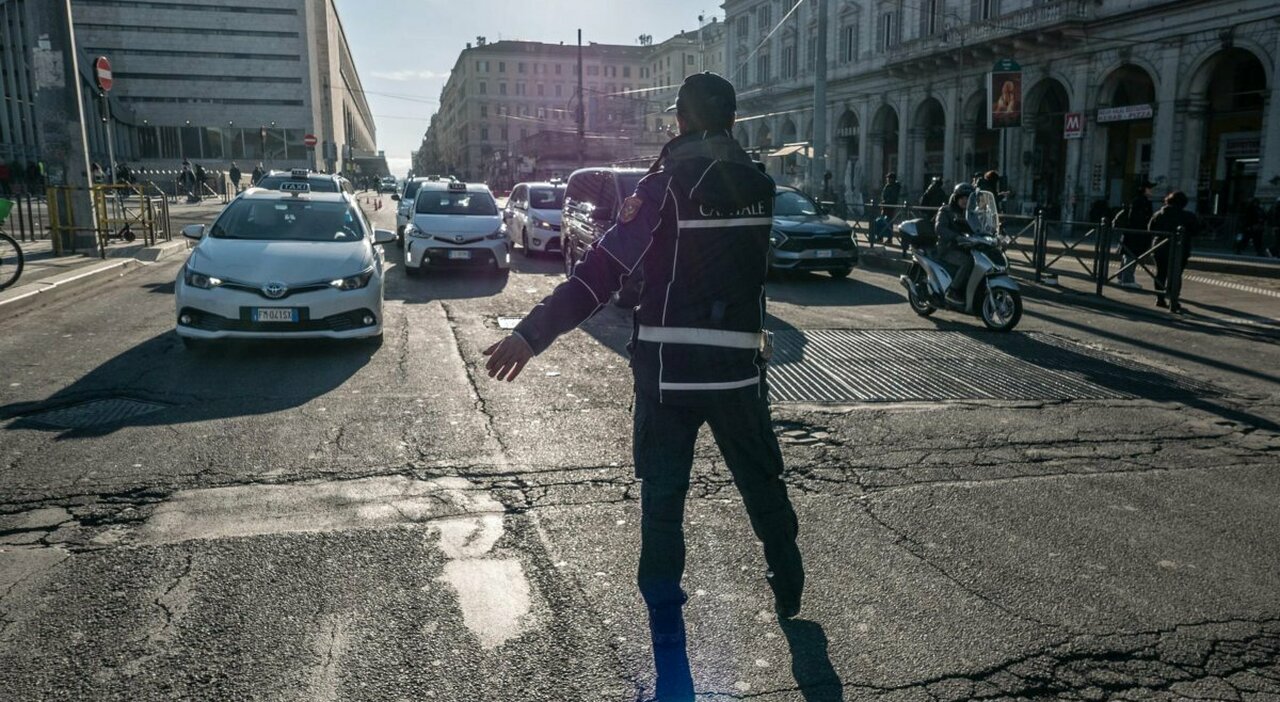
777	238
199	280
500	233
353	282
542	224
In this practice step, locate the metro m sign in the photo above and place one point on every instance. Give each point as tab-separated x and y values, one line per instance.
1073	125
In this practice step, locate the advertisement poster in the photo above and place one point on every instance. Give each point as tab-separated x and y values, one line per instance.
1004	95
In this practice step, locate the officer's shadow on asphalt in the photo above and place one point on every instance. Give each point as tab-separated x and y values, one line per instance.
811	665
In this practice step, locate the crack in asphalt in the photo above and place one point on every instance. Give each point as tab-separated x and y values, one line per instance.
473	388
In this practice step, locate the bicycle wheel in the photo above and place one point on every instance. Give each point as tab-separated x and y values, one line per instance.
10	261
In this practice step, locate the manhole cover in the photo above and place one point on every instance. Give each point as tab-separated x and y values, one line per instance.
94	413
901	366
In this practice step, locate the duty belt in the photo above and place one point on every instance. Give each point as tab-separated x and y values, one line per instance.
702	337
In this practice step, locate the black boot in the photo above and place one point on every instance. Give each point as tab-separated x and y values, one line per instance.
670	659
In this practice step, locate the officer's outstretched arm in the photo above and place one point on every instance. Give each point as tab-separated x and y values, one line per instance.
604	269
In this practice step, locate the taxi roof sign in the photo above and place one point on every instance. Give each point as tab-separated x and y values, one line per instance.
295	187
299	173
458	185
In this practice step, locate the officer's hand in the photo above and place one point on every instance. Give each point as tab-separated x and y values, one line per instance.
508	357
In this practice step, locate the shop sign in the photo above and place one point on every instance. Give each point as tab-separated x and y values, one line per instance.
1242	147
1073	126
1124	114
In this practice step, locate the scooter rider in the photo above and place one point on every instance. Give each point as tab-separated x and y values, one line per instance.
951	224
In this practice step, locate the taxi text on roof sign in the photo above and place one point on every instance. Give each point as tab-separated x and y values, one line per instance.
295	187
457	185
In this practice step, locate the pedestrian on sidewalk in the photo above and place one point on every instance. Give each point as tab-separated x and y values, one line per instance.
187	181
256	176
201	178
1253	222
234	175
990	182
1135	238
890	195
934	196
698	353
1174	214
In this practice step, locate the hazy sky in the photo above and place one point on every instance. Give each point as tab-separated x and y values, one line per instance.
404	49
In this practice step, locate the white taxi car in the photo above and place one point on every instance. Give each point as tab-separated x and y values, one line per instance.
283	264
533	216
456	224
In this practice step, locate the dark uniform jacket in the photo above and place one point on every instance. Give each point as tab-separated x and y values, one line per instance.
950	224
698	228
891	194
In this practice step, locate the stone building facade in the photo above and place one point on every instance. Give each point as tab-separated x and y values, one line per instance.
1183	92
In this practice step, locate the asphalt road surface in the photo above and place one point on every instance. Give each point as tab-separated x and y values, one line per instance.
1084	509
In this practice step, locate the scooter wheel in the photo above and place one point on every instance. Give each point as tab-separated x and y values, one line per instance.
1001	309
920	305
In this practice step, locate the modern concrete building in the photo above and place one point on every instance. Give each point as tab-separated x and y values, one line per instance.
1183	92
210	81
503	92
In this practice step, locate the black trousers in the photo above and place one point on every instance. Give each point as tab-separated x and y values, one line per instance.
960	263
664	442
1162	263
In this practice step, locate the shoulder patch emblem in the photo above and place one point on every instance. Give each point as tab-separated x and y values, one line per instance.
630	208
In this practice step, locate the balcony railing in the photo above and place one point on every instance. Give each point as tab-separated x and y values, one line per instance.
1039	16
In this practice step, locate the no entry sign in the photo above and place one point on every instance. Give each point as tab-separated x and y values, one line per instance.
102	70
310	141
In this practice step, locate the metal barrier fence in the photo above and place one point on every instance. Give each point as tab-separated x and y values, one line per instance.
29	216
1092	246
121	212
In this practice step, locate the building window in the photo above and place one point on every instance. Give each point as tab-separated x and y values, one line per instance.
484	110
765	17
521	67
788	62
558	67
559	89
848	43
980	10
502	67
743	27
506	134
519	89
502	88
887	32
484	134
540	89
626	71
484	88
813	52
762	68
930	18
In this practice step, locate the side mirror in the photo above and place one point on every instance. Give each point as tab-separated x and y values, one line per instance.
383	236
395	197
193	231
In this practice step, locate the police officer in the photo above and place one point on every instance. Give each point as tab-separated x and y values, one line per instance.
698	228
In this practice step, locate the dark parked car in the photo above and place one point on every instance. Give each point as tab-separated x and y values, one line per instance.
591	202
806	238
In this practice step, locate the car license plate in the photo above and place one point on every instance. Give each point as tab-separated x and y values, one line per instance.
825	253
459	255
275	314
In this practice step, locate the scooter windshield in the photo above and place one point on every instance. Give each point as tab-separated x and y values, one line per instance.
982	216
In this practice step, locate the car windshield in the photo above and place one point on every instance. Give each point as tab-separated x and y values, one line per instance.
789	203
546	198
318	185
411	189
445	202
628	182
288	220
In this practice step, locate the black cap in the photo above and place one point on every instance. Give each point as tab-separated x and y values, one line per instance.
706	95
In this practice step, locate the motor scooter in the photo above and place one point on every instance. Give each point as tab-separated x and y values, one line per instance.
990	292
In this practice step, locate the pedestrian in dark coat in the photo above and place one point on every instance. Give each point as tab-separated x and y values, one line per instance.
1253	222
256	177
934	196
1135	239
234	175
890	195
1173	215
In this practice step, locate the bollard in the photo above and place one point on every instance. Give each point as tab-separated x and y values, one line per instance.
1173	286
1037	248
1102	254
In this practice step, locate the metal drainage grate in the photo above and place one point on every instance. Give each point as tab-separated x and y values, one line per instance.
903	366
94	413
